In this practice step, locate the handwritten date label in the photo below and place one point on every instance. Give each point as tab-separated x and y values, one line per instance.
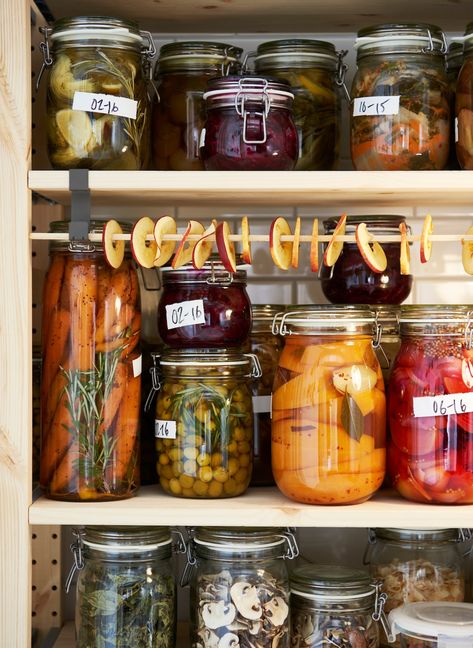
164	429
105	103
378	106
185	313
443	405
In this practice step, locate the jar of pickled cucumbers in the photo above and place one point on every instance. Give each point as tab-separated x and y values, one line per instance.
239	586
433	625
454	64
430	455
98	106
464	104
401	109
204	422
312	69
335	605
181	76
126	592
91	383
328	406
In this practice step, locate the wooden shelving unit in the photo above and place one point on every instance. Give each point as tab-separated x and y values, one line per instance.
66	638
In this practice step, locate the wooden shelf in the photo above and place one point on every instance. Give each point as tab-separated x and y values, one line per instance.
258	507
66	638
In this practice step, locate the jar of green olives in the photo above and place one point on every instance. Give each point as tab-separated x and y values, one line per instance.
204	421
181	76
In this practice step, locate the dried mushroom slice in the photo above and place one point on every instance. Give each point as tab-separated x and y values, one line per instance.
229	640
209	638
218	614
62	82
276	610
245	597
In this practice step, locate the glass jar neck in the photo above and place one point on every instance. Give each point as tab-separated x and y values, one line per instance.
403	40
364	604
254	545
126	544
438	321
95	227
96	31
204	365
198	56
210	275
296	53
382	224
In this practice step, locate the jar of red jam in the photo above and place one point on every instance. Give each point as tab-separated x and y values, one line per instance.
204	308
351	280
430	402
249	125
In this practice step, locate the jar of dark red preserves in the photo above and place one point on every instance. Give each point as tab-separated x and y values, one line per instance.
204	308
351	280
249	125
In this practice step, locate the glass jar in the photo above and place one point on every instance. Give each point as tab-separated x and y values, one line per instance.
328	407
454	64
37	362
410	131
417	565
181	76
204	422
126	593
108	58
334	605
240	587
223	318
310	67
430	455
464	104
249	125
352	281
388	318
90	390
433	625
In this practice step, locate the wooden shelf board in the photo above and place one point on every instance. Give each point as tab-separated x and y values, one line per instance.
66	638
258	507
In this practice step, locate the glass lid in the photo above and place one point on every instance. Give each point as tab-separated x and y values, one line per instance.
420	38
432	620
125	538
331	582
294	51
86	28
418	535
197	53
231	538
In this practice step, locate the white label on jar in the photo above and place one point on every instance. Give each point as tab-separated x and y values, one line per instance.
164	429
443	405
261	404
367	106
105	103
202	138
185	313
137	366
456	130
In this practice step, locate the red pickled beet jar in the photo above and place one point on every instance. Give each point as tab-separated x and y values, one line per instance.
249	125
430	455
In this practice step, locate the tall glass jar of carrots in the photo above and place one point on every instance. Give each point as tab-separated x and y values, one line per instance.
328	407
90	391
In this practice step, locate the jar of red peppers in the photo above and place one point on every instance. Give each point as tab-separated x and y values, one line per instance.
204	308
431	406
401	109
90	390
181	76
249	125
464	104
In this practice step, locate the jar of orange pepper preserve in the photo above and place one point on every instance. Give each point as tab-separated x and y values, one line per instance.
328	406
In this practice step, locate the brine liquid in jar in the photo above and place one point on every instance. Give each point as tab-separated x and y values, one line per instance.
464	105
454	64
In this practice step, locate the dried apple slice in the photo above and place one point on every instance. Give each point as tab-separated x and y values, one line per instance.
245	240
335	247
165	249
186	247
203	247
225	247
425	242
405	256
314	247
114	251
296	243
371	251
144	251
281	251
467	372
467	253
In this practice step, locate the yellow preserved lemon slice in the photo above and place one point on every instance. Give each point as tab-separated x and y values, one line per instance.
75	127
62	82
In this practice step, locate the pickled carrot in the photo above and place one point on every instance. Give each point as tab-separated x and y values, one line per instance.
54	350
112	317
64	478
56	441
111	405
51	292
52	398
83	296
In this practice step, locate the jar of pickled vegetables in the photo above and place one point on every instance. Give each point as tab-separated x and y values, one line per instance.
98	106
204	308
328	407
90	389
334	605
239	586
433	625
401	109
249	125
311	69
417	565
126	593
464	104
454	64
181	76
204	422
430	456
388	319
352	281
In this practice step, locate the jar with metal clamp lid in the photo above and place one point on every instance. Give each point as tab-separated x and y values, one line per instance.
401	109
249	125
91	374
464	104
430	455
98	105
126	592
328	406
204	421
454	64
388	319
181	75
239	586
335	605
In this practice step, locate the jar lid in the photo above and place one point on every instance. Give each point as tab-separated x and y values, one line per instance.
95	227
418	535
196	55
382	223
125	539
290	52
101	28
454	56
399	38
211	273
231	90
327	320
218	364
432	620
425	319
331	582
262	316
232	539
388	317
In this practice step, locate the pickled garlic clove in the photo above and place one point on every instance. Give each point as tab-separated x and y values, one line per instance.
354	379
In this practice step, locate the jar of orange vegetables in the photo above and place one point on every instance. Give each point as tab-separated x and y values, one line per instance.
328	406
90	390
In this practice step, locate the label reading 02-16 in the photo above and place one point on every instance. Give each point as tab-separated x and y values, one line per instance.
185	313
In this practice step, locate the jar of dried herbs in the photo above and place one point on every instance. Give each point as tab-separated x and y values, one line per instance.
98	105
126	592
239	586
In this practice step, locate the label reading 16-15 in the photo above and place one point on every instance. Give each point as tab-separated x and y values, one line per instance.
164	429
185	313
